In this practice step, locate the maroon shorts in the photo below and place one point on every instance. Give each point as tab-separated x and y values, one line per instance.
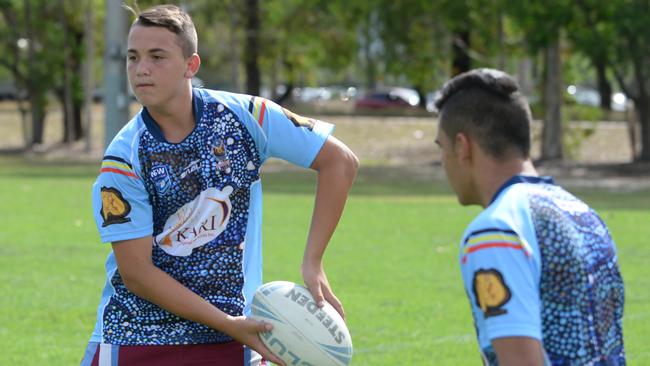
224	354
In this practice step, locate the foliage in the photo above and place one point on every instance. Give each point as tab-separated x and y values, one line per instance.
317	42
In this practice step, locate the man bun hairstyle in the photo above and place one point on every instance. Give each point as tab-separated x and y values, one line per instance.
486	104
174	19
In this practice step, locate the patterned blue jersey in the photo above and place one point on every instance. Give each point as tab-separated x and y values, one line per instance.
201	200
538	262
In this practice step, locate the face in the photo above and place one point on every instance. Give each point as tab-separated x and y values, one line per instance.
157	69
453	161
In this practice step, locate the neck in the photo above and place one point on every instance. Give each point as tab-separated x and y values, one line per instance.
492	174
175	117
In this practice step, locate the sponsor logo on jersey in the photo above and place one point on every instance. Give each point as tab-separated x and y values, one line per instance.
114	207
191	168
196	223
299	121
490	291
161	178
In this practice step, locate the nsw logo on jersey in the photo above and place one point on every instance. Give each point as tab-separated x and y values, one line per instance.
196	223
161	178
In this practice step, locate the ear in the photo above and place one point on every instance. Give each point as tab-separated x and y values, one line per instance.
463	147
193	64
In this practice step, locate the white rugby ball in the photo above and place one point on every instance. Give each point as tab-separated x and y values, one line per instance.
303	334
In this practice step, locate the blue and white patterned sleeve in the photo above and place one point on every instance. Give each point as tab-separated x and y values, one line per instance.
120	200
501	280
289	136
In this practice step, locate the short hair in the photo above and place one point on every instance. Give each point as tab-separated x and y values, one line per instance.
487	105
174	19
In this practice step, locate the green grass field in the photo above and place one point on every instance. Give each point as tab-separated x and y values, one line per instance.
393	263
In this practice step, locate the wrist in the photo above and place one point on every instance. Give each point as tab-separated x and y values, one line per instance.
223	323
311	262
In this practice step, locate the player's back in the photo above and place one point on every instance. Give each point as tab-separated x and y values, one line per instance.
581	289
540	263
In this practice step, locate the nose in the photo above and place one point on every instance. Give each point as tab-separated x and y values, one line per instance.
142	69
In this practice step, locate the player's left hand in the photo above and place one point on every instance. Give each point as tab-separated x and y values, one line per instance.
316	281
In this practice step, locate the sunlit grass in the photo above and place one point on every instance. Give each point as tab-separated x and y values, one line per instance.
392	261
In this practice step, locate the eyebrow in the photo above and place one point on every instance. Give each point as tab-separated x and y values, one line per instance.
153	50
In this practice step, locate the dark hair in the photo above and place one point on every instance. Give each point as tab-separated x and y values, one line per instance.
486	104
174	19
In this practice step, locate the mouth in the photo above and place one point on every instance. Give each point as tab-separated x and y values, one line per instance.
143	85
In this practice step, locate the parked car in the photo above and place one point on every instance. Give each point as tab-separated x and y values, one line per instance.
590	96
391	98
9	92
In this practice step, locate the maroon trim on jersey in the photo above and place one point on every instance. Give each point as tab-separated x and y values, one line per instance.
224	354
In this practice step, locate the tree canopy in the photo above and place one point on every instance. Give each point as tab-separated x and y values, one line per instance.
255	46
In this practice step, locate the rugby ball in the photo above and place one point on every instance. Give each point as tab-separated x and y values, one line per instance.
303	333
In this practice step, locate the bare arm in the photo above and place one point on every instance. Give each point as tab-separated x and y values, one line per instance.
337	167
151	283
518	351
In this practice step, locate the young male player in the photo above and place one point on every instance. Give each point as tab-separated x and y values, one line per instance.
539	266
179	198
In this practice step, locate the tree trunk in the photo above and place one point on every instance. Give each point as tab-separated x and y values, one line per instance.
423	97
37	103
68	108
88	78
234	45
525	76
552	129
502	39
604	87
371	72
642	106
252	47
460	44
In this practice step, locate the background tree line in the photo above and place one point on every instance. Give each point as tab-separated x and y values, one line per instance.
54	48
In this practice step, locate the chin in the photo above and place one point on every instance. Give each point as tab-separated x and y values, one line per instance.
145	101
462	201
465	200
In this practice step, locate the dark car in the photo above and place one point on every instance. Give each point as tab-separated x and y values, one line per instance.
393	98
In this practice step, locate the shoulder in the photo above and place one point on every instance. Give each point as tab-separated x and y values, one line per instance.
237	103
506	210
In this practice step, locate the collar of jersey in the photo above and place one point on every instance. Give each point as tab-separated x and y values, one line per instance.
152	125
522	179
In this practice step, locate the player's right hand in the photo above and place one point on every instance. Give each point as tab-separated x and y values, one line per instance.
246	331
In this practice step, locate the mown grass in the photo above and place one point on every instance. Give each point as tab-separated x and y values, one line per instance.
392	261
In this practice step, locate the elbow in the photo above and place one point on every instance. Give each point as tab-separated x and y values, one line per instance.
350	166
133	282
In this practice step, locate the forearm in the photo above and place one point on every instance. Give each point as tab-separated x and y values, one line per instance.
158	287
519	351
334	183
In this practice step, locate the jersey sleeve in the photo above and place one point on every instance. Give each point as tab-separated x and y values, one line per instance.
501	281
120	202
288	136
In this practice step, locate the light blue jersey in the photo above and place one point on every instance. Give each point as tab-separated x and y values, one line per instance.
539	263
201	200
